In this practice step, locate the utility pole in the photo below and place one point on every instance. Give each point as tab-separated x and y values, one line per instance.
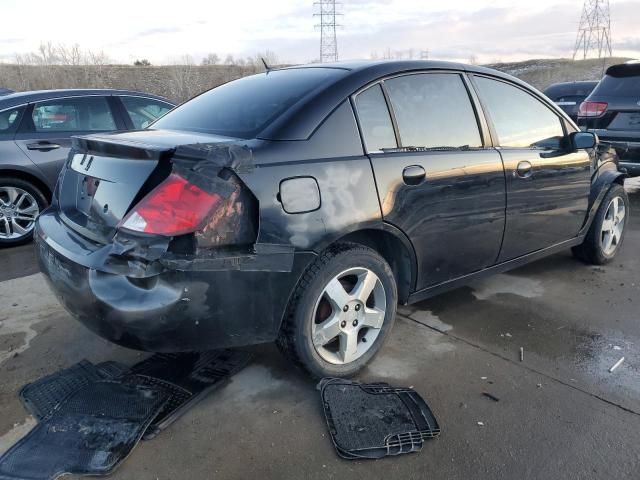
326	10
594	32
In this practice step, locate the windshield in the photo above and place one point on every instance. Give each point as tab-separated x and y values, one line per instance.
244	107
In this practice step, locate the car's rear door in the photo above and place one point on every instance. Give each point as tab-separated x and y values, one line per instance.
438	180
547	185
47	127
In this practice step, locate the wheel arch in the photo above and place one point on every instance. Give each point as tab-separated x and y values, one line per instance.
28	177
395	248
608	175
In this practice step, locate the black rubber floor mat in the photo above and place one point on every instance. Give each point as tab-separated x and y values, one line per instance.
188	377
41	397
375	420
90	433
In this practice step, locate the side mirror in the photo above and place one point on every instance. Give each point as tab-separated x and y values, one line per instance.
582	140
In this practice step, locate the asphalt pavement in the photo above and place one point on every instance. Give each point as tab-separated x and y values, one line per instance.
560	414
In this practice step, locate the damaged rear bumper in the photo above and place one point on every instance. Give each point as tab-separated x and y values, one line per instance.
169	304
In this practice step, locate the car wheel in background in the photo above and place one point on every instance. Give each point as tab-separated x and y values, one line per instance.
341	312
20	204
606	234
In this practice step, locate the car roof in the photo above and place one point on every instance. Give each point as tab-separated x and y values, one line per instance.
300	121
583	87
21	98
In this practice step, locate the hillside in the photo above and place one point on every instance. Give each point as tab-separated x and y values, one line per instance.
542	73
181	82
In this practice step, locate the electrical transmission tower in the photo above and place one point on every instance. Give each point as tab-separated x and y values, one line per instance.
326	10
594	32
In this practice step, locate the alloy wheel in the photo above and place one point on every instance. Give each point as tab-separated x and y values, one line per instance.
613	226
18	212
348	316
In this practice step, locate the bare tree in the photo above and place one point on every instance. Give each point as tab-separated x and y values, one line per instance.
211	59
72	55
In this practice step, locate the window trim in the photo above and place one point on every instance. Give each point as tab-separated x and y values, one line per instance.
482	124
494	133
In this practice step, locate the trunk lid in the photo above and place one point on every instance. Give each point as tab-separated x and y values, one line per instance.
107	175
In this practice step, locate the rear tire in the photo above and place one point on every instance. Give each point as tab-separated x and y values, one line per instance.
605	236
340	313
20	204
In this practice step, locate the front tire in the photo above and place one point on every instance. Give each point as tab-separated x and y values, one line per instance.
605	236
20	204
340	313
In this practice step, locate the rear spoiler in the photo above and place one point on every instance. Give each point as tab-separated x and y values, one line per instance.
112	147
622	70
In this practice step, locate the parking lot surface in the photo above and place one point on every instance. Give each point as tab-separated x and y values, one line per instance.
560	413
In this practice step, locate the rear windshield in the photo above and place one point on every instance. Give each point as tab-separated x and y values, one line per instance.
628	86
244	107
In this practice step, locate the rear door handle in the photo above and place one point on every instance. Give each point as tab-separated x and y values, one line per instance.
43	146
413	175
524	169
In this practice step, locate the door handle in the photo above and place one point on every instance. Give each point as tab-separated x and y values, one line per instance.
413	175
524	169
43	146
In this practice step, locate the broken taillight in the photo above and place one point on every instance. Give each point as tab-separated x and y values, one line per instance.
592	109
174	207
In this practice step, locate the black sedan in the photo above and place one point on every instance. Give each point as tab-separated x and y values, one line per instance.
35	137
302	205
570	95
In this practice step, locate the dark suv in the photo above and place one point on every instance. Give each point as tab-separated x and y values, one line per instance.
613	112
35	137
303	204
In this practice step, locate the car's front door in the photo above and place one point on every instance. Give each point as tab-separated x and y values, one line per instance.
47	127
437	180
548	185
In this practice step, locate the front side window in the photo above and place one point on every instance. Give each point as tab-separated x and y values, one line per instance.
82	114
144	111
244	107
520	120
433	110
9	120
375	121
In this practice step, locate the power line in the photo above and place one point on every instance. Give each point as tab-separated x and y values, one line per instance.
594	32
326	10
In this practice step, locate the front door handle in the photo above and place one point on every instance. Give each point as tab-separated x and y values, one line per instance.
413	175
43	146
524	169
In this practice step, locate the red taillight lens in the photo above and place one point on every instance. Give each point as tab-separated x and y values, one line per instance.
592	109
174	207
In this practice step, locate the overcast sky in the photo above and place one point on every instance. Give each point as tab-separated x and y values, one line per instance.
452	30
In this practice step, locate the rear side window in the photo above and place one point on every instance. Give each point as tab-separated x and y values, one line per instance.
520	120
244	107
627	86
82	114
9	120
375	121
433	110
144	111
